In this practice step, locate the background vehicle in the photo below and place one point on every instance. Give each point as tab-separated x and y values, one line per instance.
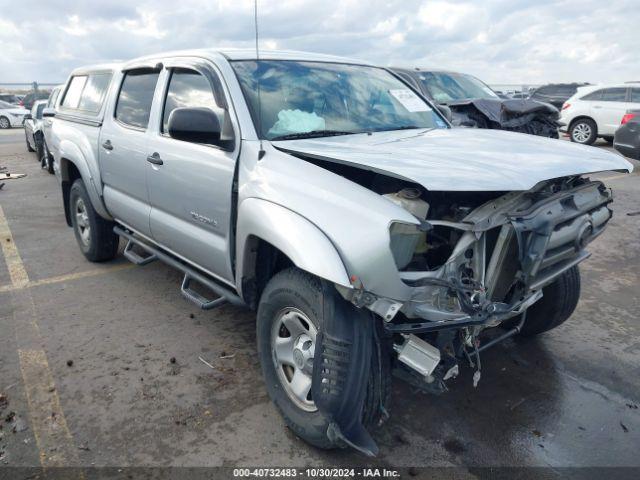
10	98
627	137
28	100
11	116
474	104
556	93
597	110
47	160
33	128
367	233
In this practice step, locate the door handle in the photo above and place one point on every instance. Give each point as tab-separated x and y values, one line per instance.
155	159
107	145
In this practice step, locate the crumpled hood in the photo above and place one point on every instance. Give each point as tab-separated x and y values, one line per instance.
461	159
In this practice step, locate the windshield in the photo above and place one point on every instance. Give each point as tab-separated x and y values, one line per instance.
445	87
309	99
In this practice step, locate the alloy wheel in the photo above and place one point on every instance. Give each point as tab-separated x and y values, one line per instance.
581	132
82	222
293	339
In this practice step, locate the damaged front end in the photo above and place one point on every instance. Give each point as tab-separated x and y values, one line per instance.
473	263
515	115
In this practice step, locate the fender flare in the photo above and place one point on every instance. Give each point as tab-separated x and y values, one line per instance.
295	236
70	153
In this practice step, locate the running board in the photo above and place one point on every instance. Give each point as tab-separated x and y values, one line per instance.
224	294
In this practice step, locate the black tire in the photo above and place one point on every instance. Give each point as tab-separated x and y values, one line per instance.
556	306
26	139
293	288
4	123
101	244
46	161
584	124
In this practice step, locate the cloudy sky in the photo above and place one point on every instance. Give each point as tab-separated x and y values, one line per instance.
500	41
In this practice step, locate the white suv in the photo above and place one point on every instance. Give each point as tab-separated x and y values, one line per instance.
596	111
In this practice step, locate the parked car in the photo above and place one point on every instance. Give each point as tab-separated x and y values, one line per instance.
332	198
11	116
474	104
556	93
597	110
33	132
627	137
28	100
46	160
10	98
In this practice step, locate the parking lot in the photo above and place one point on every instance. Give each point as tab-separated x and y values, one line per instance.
106	365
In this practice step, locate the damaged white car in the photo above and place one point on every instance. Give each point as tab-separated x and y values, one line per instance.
371	237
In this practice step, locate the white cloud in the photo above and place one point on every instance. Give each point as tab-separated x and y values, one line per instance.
500	41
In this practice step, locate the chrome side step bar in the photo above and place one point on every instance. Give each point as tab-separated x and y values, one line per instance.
225	295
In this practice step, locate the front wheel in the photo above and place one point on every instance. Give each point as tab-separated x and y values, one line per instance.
94	234
559	300
4	123
290	315
46	161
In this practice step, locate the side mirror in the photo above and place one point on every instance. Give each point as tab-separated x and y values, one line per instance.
445	111
196	125
48	112
28	116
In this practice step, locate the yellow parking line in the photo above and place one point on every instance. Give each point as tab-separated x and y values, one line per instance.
47	419
48	423
18	274
67	277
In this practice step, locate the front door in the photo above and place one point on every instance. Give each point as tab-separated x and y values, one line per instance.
190	184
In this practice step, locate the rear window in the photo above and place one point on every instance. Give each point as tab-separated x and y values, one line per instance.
135	98
72	97
597	95
94	92
614	95
86	92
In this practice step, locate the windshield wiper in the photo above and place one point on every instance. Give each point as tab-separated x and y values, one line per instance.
311	134
403	127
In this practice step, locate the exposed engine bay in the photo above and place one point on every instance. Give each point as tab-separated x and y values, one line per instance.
476	261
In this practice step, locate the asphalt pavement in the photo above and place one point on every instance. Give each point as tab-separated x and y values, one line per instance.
102	364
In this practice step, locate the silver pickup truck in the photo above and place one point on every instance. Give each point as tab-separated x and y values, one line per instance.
371	237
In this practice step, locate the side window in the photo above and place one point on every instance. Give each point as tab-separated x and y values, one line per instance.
94	92
597	95
135	98
635	95
188	88
52	98
614	95
72	97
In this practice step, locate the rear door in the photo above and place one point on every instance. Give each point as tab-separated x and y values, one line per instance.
123	146
191	191
609	109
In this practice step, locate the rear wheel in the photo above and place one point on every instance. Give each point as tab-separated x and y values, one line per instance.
583	131
94	234
290	315
556	306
